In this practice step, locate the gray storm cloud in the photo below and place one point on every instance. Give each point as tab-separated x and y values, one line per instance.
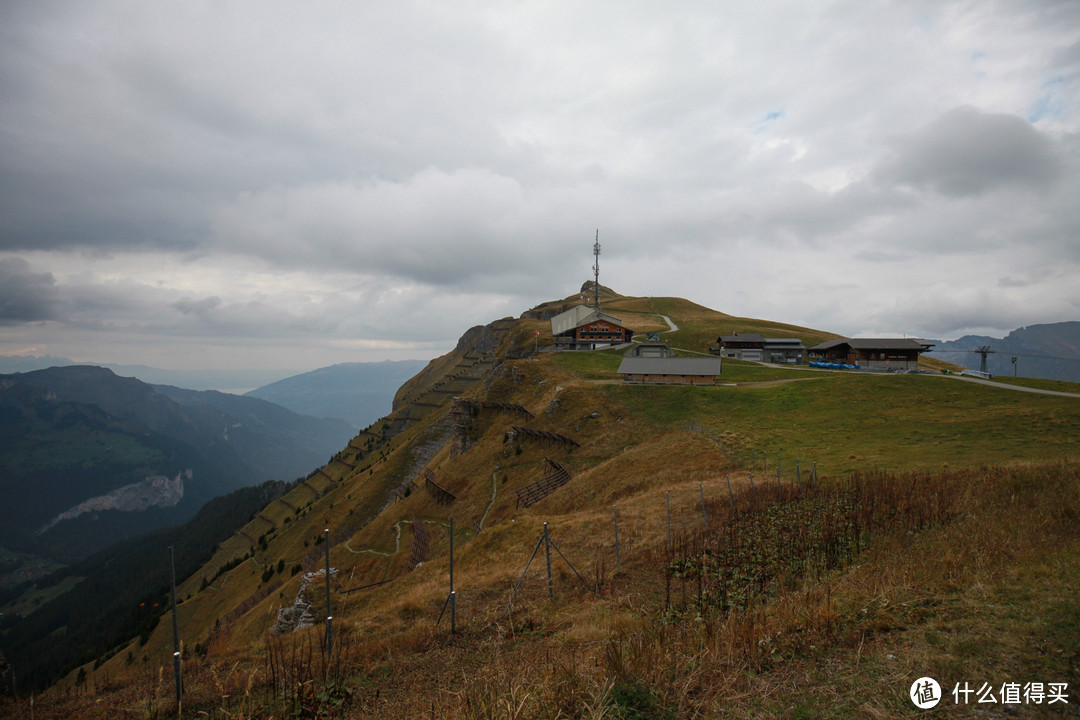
968	152
25	295
361	173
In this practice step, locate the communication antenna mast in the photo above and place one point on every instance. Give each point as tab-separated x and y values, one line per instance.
596	271
983	351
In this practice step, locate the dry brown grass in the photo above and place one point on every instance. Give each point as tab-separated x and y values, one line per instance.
605	647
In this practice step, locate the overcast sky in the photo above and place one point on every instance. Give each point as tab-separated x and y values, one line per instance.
296	184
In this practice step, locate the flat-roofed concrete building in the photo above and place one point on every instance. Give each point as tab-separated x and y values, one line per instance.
746	346
785	351
670	371
651	350
758	348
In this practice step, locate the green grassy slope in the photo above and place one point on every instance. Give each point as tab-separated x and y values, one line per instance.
608	643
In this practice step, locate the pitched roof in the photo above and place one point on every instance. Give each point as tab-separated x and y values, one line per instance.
829	345
577	316
743	337
670	366
874	344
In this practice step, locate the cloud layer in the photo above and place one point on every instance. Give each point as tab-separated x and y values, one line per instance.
192	181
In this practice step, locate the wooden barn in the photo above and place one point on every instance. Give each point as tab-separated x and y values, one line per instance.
873	353
670	371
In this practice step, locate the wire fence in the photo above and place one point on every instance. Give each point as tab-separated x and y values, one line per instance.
714	556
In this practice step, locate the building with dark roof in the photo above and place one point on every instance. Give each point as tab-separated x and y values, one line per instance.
751	346
671	370
748	346
784	351
874	353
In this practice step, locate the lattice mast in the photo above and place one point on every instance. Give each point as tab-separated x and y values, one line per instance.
596	271
983	351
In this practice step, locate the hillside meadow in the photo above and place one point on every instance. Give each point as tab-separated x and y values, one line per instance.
938	538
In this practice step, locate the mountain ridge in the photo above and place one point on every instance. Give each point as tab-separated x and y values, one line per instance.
359	393
480	424
1049	351
78	432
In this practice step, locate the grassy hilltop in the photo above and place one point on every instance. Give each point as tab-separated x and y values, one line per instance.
940	537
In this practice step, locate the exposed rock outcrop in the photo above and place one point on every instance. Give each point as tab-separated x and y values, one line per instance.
153	491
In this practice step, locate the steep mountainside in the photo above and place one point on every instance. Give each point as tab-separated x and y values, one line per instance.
120	592
359	393
88	458
502	443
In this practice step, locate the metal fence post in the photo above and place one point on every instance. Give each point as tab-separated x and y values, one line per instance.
522	578
547	550
329	617
453	596
175	630
704	515
667	497
730	497
615	514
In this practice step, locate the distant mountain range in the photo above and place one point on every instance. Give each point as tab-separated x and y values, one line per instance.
1050	351
359	393
232	381
88	458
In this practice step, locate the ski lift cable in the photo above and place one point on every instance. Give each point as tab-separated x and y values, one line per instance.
1006	352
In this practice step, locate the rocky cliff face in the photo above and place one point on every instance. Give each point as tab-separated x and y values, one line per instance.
153	491
482	339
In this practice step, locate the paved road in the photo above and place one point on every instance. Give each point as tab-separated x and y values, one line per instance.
991	383
1006	386
671	325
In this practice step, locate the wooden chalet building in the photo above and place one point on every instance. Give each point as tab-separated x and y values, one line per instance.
873	353
670	370
586	328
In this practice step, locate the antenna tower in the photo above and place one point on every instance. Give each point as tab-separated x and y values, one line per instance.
596	271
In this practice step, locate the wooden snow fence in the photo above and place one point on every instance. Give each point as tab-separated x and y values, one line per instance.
537	491
420	544
508	407
545	437
441	494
